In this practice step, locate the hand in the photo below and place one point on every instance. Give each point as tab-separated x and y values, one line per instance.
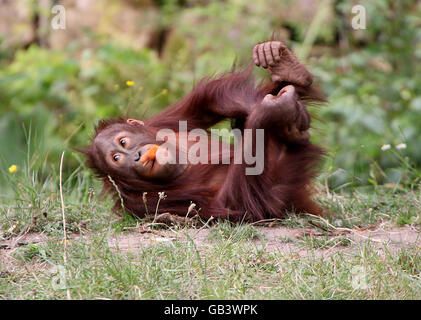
282	64
288	114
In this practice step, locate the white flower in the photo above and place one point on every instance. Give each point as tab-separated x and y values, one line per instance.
401	146
385	147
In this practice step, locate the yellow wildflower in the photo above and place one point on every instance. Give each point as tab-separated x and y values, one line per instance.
13	168
129	83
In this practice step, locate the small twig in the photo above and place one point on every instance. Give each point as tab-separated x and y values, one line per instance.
161	196
319	226
327	188
265	222
145	202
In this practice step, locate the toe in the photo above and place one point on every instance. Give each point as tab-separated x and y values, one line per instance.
268	54
256	56
276	50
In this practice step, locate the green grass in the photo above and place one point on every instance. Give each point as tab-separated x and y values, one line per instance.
226	270
232	232
232	262
324	242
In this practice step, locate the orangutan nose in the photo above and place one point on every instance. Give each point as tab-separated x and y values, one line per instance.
137	156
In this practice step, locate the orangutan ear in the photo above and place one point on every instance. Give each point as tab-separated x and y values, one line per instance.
135	122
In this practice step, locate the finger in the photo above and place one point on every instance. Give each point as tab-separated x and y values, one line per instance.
268	54
276	50
262	57
256	55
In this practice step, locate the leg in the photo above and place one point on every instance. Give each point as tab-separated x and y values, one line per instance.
289	162
285	69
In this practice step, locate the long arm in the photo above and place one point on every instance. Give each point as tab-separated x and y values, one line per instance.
289	157
230	96
234	95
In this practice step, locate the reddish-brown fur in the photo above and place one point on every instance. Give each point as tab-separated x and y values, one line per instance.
221	190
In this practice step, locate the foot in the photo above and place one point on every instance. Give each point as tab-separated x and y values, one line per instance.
282	64
291	116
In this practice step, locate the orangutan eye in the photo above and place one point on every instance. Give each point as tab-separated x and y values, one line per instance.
116	157
123	142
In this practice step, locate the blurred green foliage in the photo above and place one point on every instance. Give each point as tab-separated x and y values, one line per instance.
50	99
374	90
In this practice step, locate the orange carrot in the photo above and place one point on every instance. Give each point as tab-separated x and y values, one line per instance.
150	154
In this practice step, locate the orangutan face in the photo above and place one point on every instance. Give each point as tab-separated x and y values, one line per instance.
125	149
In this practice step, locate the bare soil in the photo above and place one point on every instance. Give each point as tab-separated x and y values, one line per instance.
272	239
279	239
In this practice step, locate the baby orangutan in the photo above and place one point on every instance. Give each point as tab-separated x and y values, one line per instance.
126	153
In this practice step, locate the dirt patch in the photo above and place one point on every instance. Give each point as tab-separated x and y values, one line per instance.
273	239
281	239
9	264
286	240
23	240
391	235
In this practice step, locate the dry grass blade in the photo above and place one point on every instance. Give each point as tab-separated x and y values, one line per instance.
64	220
